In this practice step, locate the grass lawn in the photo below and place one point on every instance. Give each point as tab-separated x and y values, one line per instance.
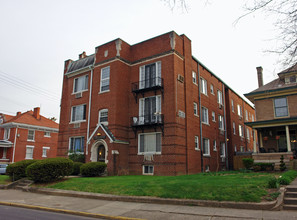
224	186
4	179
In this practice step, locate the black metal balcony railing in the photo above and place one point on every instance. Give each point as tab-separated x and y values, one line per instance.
147	84
145	120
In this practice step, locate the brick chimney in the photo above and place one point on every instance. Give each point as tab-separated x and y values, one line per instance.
82	55
18	113
36	113
260	75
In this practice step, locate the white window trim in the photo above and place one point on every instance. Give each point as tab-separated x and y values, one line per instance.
99	116
214	145
45	148
220	97
74	85
212	89
204	154
6	134
234	128
27	158
206	123
223	124
197	141
240	131
69	143
148	173
47	135
232	105
194	78
33	136
239	110
202	86
144	153
274	108
223	155
78	121
195	108
213	116
105	79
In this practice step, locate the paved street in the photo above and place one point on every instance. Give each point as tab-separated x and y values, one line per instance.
137	210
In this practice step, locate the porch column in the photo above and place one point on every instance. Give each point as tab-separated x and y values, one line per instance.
255	144
288	139
261	140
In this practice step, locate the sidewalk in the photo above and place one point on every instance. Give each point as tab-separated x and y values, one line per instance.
127	210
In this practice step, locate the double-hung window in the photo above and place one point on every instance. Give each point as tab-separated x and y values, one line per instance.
206	149
150	75
149	143
281	107
222	149
29	152
195	109
80	84
103	116
194	75
205	115
247	133
213	116
220	97
150	110
78	113
239	110
203	84
214	145
196	143
246	115
104	82
76	144
221	122
234	128
232	105
6	133
211	89
45	151
31	135
240	131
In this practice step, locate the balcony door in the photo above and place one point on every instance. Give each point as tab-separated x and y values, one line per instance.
150	109
150	75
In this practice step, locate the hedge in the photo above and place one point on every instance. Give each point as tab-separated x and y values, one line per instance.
17	170
263	167
50	169
76	168
93	169
248	163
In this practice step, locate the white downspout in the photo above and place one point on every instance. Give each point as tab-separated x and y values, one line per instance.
89	110
14	144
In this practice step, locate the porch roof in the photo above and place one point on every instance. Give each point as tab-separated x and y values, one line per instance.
272	123
5	143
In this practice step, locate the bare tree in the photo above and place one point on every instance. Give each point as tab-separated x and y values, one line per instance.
285	12
180	4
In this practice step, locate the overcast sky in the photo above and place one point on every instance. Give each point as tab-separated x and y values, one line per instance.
37	36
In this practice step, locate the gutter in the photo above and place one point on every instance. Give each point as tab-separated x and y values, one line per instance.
36	127
201	139
89	110
14	144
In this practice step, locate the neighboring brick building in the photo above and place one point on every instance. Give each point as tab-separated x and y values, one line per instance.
276	116
150	108
27	136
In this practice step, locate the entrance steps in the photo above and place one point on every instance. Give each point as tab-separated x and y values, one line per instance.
290	199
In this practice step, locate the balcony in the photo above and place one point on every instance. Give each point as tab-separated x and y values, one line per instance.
148	121
151	84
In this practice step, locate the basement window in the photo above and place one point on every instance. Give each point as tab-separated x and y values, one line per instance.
148	170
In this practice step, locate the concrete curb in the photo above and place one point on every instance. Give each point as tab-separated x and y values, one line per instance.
143	199
85	214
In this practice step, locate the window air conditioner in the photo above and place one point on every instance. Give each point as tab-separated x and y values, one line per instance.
78	95
180	78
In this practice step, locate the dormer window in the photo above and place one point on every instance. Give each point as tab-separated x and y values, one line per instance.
290	79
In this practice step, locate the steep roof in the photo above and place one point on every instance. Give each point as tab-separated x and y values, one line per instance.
29	119
289	70
81	63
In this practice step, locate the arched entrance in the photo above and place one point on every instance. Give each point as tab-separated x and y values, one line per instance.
99	151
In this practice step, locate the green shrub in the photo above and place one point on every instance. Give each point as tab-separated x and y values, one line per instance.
272	183
291	174
263	166
282	165
76	168
93	169
17	170
248	163
283	180
75	157
50	169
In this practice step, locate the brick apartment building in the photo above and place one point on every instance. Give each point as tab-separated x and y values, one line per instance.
151	108
27	136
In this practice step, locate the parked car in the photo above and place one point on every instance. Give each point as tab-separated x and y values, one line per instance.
3	168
